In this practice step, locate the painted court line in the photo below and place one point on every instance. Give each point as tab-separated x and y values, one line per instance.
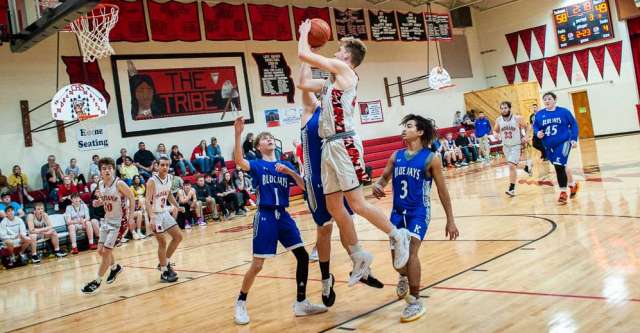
531	293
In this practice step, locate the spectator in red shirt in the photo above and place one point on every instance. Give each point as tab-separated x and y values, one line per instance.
65	191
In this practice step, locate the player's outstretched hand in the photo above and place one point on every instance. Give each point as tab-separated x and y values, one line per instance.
451	231
238	124
540	134
378	191
305	27
283	169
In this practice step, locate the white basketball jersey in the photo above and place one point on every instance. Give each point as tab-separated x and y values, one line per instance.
161	192
510	130
113	201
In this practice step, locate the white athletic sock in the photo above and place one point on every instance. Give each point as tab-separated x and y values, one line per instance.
393	232
114	266
355	248
98	278
163	268
573	183
563	189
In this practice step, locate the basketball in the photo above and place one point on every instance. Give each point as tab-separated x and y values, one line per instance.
319	33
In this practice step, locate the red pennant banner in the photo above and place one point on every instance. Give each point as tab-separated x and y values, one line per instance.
523	69
224	21
598	56
552	67
510	73
615	52
301	14
538	69
172	21
567	63
86	73
270	22
582	57
525	36
540	33
512	40
131	26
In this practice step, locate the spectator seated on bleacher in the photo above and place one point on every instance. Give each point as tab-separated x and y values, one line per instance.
41	228
144	159
466	147
214	151
94	170
6	202
189	203
453	153
4	184
13	235
248	149
140	216
77	217
19	183
96	208
179	163
52	175
74	171
65	191
231	197
128	170
205	198
200	159
245	188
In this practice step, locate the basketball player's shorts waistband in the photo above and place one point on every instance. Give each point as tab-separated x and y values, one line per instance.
338	136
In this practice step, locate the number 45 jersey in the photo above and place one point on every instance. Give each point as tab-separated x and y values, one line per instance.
558	126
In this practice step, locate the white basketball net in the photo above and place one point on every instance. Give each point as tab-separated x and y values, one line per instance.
93	32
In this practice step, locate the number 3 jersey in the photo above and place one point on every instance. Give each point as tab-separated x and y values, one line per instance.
272	187
559	126
161	192
114	203
411	185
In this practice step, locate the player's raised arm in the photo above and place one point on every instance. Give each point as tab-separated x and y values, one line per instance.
306	82
435	169
306	54
378	187
237	150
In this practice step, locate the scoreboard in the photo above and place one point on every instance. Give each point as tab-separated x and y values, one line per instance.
584	22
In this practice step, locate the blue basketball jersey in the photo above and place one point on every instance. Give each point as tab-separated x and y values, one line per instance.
272	187
312	147
411	186
558	126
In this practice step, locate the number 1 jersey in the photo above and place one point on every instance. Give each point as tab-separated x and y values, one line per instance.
272	187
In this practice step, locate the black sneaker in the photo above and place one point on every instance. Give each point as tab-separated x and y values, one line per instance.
331	298
35	259
113	274
169	275
60	254
371	281
91	287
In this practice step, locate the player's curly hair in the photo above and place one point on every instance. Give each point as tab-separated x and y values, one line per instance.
356	48
426	125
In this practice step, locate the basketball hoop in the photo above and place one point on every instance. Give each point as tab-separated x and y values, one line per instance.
93	30
78	102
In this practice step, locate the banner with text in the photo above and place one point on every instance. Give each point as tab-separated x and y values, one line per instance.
92	138
371	112
275	75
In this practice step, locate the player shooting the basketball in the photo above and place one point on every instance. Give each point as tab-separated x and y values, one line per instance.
412	171
342	163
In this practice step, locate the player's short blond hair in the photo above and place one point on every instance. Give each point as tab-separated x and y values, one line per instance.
356	49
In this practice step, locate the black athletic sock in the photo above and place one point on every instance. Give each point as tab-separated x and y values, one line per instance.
242	296
324	270
526	168
302	272
512	187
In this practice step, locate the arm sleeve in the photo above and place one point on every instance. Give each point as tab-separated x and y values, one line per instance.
574	129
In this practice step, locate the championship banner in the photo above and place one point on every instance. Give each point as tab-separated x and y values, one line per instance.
301	14
350	23
87	73
174	21
438	26
270	22
224	21
132	25
411	27
92	139
275	75
370	112
383	26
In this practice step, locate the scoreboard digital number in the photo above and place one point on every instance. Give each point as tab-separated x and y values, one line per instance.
582	23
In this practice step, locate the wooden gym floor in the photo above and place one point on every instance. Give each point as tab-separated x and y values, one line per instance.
520	265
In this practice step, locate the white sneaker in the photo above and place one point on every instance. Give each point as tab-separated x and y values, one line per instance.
242	316
511	193
361	266
135	235
403	287
306	308
400	243
313	257
413	311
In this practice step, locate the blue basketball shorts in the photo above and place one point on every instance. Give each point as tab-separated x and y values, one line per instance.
270	226
415	220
